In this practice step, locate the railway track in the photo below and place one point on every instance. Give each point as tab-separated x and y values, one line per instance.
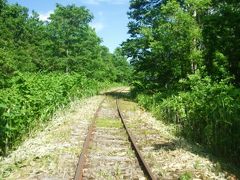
109	150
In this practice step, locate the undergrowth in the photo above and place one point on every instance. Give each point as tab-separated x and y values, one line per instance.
206	111
32	98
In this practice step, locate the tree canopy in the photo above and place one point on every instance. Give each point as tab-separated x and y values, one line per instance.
65	43
171	39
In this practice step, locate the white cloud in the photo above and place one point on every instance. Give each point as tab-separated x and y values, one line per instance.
45	16
96	2
98	26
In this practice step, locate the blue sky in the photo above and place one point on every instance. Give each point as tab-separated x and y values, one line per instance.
110	18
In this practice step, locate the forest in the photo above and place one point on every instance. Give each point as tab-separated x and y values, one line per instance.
184	67
186	60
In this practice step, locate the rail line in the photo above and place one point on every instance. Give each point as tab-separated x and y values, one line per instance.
82	160
141	160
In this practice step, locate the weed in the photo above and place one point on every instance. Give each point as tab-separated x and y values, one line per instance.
186	176
108	123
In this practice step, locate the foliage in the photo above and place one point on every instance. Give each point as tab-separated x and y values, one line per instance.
123	68
32	98
45	64
208	114
186	176
66	43
221	35
164	46
173	38
186	63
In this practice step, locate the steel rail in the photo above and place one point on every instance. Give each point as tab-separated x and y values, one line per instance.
146	169
82	158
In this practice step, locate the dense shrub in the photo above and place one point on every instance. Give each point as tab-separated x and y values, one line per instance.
32	98
208	114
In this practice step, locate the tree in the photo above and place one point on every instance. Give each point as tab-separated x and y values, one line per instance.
221	35
68	30
66	43
13	55
122	66
164	43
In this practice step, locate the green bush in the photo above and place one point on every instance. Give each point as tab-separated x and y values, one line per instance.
32	98
209	114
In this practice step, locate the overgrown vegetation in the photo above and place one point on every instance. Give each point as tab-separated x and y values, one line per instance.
43	65
186	63
33	98
185	56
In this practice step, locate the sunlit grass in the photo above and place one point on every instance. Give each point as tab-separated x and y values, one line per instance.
108	123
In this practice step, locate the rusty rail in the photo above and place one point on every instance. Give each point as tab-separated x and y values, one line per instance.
146	169
82	159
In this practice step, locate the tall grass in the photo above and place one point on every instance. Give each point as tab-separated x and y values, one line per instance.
208	113
31	99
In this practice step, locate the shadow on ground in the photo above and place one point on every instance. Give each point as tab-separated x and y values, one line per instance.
125	95
181	142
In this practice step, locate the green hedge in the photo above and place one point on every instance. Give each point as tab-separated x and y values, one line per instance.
32	98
